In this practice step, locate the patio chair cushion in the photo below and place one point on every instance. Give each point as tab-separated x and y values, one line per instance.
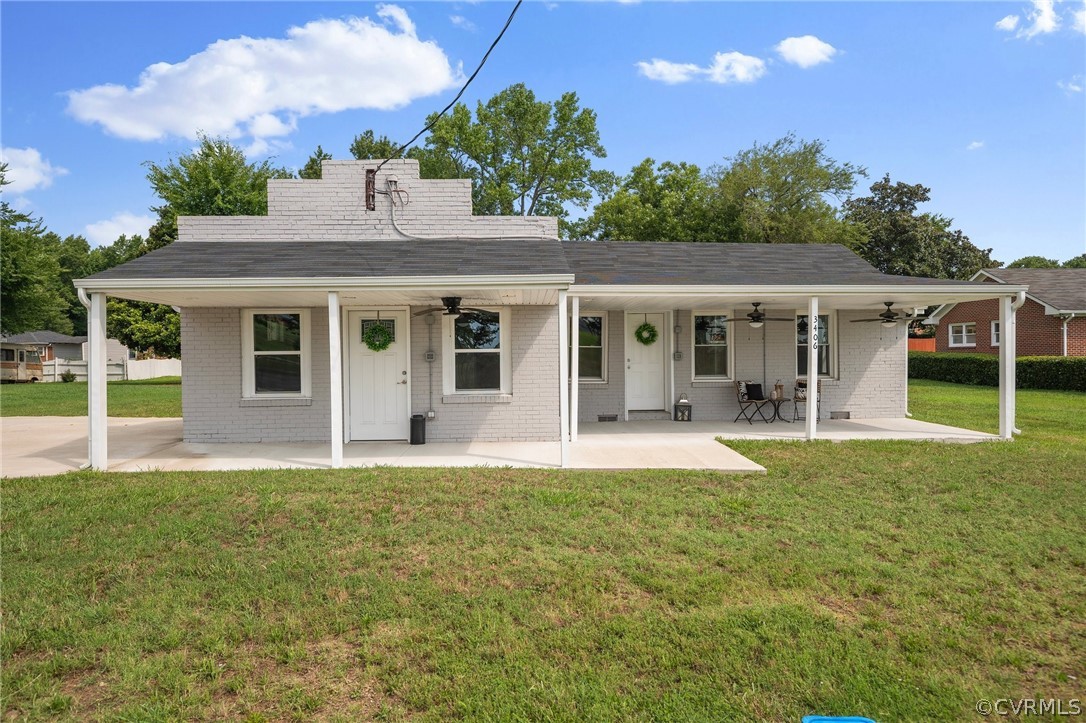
801	394
749	391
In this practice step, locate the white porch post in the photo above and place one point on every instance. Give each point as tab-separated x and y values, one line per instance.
563	376
812	367
1008	337
97	419
575	368
335	377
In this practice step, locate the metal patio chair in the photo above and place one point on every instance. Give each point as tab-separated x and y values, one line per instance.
750	405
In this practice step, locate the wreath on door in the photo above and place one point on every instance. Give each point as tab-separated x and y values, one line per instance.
377	337
646	334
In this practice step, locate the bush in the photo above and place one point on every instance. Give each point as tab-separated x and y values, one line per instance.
1033	372
67	376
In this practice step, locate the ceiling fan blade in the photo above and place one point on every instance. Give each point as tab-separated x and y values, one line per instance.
431	310
777	318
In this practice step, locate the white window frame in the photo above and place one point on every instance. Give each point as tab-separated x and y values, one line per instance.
833	343
994	336
448	355
248	356
962	333
731	347
603	343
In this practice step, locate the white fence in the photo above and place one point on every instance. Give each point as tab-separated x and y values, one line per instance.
115	370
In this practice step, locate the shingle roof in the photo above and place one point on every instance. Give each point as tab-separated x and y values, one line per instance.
632	263
336	259
1062	289
44	337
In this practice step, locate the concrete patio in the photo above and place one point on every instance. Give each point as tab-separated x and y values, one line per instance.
54	445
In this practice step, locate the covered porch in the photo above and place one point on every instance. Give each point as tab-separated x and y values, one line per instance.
55	445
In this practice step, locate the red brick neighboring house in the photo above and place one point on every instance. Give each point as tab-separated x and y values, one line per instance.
1052	321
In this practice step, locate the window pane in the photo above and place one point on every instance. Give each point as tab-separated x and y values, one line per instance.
8	354
277	332
591	363
824	360
477	330
710	330
591	331
481	370
277	373
801	361
710	361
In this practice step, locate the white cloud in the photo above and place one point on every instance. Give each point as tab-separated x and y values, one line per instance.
27	170
1078	20
975	146
726	68
1042	20
736	68
1071	86
106	232
259	87
805	51
1008	23
461	22
667	72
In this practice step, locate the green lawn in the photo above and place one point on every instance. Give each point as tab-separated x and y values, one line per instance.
145	398
903	581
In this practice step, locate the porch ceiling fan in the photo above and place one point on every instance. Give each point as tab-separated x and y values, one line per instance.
757	317
889	317
450	306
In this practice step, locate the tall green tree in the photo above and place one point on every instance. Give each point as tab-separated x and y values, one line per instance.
213	180
312	167
524	156
369	146
790	191
30	289
905	242
665	202
1075	262
1034	262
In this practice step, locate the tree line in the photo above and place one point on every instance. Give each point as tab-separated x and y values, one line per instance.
524	156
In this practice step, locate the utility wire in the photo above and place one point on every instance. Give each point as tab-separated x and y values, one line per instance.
445	110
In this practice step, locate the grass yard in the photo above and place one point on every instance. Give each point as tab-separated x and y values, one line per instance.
144	398
903	581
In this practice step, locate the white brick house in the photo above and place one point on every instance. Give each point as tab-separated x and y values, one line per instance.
277	313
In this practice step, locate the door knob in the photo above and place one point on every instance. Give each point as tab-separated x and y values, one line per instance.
403	382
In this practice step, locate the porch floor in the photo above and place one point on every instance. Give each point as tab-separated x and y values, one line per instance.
54	445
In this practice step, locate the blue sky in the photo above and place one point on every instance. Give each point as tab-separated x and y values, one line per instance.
982	102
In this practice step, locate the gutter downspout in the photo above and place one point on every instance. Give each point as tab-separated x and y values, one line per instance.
1066	318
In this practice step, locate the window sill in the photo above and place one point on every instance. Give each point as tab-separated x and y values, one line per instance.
496	398
963	346
582	382
711	382
277	401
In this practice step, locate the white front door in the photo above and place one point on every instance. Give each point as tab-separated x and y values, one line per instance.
377	381
644	364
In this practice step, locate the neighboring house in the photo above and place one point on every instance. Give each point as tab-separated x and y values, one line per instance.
1051	322
51	345
281	313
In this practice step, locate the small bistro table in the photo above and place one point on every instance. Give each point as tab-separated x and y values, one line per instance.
777	409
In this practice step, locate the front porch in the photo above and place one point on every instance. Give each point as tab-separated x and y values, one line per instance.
54	445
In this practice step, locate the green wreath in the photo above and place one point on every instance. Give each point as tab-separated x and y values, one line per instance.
646	334
377	337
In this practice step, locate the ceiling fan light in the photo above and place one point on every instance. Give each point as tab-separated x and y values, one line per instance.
889	324
756	324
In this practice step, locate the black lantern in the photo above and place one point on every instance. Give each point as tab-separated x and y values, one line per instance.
684	410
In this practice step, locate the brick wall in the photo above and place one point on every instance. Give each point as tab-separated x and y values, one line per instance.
214	410
333	208
1038	334
211	394
529	413
872	379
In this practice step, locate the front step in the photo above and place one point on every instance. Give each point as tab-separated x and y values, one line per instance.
649	415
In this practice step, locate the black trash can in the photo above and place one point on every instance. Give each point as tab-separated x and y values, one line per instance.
418	429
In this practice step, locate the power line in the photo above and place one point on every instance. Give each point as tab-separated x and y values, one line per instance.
445	110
